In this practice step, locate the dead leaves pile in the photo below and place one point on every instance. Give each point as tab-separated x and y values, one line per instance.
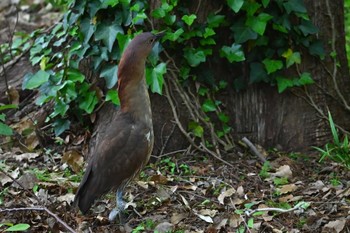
182	193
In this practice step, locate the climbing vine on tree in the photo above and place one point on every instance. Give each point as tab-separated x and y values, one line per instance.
258	40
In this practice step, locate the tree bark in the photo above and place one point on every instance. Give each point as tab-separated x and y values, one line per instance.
296	119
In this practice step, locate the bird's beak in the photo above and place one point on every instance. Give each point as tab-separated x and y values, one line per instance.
159	35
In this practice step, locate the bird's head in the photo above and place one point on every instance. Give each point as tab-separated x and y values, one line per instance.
142	44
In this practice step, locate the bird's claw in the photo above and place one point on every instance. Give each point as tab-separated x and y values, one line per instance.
113	214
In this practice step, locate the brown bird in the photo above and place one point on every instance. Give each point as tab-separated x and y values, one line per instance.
123	148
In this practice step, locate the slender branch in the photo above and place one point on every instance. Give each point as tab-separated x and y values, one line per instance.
333	47
253	149
299	206
40	208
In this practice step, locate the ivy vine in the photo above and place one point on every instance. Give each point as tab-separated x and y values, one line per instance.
264	40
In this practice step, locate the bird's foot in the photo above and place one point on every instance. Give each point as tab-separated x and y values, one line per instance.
114	213
119	209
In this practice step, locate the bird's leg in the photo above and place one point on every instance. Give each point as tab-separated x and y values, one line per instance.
119	207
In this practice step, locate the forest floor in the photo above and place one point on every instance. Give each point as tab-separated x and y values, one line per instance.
182	191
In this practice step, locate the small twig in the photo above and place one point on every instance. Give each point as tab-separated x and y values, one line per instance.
330	200
299	206
244	220
40	208
33	208
333	47
170	153
253	149
167	139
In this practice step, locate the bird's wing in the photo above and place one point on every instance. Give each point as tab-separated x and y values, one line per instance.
118	155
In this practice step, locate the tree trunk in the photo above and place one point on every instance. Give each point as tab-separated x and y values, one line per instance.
296	119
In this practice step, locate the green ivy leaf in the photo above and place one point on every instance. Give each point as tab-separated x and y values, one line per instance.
158	13
108	33
111	3
173	36
265	2
316	49
154	77
88	102
235	5
272	65
305	79
283	83
112	95
208	106
31	81
295	5
61	125
110	74
242	33
8	106
194	57
251	8
208	32
223	117
189	19
215	20
196	129
75	75
233	53
257	73
307	28
123	41
87	28
60	108
258	23
291	57
5	130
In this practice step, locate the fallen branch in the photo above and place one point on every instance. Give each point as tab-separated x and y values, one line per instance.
40	208
300	206
253	149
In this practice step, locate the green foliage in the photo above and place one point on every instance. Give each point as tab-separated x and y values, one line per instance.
16	227
266	35
264	173
94	30
347	28
5	130
338	151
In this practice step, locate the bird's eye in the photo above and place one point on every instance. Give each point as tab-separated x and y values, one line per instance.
151	41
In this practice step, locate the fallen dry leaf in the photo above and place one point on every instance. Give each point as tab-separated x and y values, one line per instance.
240	191
27	180
288	188
185	201
74	160
164	227
226	193
222	224
69	197
177	217
235	220
336	226
26	156
4	179
208	219
159	179
208	212
283	171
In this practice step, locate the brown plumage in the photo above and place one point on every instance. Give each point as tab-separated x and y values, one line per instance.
124	146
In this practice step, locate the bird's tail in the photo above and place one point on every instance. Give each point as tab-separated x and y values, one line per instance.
86	194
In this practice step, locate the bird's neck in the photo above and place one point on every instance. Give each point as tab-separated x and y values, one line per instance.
135	100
